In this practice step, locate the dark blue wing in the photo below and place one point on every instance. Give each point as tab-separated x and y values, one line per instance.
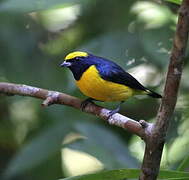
112	72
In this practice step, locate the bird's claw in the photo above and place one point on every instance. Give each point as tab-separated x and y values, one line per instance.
112	112
85	103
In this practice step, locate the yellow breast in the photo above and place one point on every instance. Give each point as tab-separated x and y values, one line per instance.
92	85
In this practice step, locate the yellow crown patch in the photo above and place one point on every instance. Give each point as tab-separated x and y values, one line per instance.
76	54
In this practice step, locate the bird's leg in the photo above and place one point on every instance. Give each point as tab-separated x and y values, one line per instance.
112	112
85	102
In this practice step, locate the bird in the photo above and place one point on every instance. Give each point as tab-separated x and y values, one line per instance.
103	80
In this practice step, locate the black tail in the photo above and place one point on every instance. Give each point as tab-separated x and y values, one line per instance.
153	94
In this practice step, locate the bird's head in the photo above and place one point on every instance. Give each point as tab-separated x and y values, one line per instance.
77	62
74	58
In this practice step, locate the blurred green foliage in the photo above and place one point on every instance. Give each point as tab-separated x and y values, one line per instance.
131	174
38	143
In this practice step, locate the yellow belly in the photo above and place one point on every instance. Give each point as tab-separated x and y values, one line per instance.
97	88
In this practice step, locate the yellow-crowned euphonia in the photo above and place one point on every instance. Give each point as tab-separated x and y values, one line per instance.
103	80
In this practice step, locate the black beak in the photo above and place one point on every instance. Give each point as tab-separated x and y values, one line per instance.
65	64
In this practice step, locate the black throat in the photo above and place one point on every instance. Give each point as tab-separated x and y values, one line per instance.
78	70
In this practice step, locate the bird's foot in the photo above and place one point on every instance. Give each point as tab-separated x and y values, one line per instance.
85	103
114	111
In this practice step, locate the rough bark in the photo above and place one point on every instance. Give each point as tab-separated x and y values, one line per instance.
155	141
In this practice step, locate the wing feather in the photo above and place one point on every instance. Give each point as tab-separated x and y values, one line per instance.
114	73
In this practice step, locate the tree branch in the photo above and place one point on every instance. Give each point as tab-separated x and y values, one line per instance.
53	97
155	141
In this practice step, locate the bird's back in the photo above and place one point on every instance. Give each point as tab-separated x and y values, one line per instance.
110	71
104	80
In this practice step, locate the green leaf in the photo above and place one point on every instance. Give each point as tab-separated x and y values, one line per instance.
105	145
128	173
184	164
109	175
165	174
175	1
38	150
178	178
25	6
